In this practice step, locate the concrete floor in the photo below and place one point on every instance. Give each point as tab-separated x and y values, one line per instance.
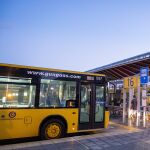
116	137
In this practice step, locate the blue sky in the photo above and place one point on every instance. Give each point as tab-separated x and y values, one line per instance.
73	34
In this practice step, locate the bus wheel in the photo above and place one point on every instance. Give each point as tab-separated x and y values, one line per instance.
52	129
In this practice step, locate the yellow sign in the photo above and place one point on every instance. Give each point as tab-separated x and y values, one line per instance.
131	82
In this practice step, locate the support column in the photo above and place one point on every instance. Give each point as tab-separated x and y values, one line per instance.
124	105
138	106
131	92
144	97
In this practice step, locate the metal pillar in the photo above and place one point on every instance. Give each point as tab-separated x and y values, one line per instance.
138	106
144	116
124	105
131	92
144	105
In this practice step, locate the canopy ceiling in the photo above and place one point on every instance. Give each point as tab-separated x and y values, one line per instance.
124	68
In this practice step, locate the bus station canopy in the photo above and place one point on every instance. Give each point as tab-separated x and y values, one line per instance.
124	68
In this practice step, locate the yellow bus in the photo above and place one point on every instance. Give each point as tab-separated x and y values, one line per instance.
50	103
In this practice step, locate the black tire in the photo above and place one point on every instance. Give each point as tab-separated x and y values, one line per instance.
52	122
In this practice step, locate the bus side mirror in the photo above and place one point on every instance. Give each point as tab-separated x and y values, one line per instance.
71	103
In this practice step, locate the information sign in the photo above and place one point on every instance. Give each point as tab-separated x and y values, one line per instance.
144	72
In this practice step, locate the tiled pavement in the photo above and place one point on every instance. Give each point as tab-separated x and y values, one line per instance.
115	138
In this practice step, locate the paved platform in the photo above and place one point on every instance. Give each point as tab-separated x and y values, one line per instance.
116	137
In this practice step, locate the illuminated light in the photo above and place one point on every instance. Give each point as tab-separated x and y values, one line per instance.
73	128
89	90
9	95
25	93
4	99
138	114
42	95
52	88
16	94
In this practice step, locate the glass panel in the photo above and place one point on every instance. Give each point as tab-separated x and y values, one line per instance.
12	95
13	79
85	103
55	93
99	105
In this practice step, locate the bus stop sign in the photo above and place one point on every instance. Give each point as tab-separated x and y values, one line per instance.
144	73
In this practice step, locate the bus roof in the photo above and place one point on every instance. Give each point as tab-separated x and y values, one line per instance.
49	69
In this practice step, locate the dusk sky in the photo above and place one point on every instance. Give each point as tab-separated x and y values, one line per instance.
73	34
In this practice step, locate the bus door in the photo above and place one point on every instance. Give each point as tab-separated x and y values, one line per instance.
91	113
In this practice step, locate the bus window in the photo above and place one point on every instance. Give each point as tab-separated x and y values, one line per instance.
16	95
99	109
85	103
55	93
15	79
